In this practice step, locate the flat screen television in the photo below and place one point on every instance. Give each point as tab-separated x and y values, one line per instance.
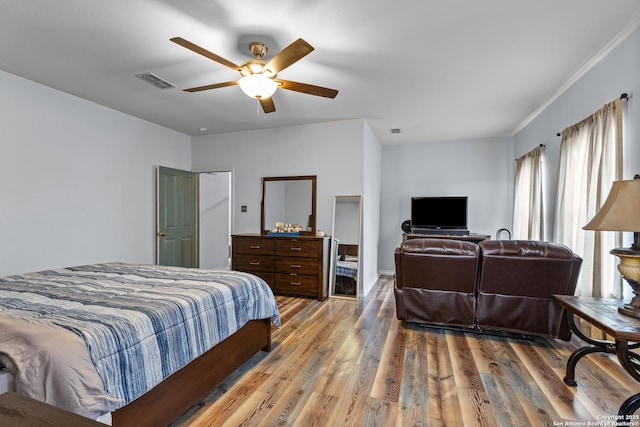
439	213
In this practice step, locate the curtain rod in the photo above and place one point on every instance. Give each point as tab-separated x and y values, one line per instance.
541	145
622	96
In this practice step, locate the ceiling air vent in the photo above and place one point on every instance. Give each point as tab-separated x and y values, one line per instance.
394	130
155	80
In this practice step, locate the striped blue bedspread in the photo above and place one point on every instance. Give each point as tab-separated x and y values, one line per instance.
140	323
347	269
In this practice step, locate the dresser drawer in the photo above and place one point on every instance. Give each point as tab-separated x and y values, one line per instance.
251	263
297	248
296	284
297	265
256	246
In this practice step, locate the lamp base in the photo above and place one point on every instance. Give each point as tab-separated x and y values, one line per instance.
629	268
630	310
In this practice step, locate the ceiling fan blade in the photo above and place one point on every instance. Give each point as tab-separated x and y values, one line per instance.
204	52
308	89
267	105
213	86
289	55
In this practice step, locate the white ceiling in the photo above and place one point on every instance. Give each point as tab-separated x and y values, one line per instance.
437	69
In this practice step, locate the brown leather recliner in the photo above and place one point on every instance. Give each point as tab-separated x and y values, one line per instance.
435	281
516	285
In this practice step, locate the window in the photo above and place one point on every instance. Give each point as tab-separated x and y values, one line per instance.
590	160
528	217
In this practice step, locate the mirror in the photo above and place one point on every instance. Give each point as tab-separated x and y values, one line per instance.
289	200
345	247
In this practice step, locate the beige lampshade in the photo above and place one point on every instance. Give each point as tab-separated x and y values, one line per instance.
621	210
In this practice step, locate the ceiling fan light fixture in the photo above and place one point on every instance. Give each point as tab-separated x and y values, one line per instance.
258	76
258	86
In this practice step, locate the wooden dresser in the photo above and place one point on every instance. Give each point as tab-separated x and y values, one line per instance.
297	266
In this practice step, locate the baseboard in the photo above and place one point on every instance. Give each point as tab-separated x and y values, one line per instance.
373	283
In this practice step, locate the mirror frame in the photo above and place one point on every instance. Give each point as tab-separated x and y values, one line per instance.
312	219
335	242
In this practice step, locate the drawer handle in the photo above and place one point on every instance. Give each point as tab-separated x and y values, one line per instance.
254	262
296	283
296	266
296	249
254	247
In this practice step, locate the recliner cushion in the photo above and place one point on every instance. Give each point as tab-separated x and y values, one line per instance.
517	282
436	281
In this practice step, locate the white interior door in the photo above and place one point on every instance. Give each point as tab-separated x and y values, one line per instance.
215	219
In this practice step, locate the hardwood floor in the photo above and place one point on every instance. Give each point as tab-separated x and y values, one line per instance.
342	362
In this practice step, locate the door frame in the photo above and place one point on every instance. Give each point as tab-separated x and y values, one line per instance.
231	211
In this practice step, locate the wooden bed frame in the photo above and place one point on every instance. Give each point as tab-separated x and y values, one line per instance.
178	392
347	249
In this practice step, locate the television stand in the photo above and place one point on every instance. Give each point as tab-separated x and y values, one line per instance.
475	238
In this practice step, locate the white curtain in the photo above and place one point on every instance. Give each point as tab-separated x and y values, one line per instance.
590	160
528	218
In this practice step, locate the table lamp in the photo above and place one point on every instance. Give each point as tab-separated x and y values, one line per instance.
621	212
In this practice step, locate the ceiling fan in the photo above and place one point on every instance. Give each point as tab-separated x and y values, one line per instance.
258	76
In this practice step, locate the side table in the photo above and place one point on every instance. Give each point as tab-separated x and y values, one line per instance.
603	314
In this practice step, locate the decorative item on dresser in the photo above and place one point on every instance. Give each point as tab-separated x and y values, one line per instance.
290	265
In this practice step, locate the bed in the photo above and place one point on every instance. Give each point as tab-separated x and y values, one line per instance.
346	270
142	343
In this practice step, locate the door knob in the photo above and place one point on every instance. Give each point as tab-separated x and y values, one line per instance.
161	233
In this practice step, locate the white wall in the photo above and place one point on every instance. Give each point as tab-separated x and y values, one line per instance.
78	179
325	150
215	220
480	169
617	73
345	156
371	200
